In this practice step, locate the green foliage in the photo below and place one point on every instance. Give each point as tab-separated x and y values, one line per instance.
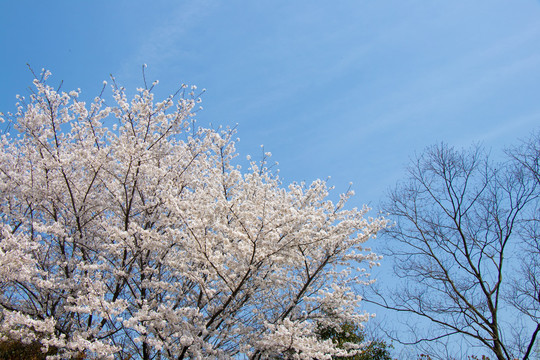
472	357
350	333
17	350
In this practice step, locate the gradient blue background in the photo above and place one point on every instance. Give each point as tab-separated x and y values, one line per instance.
346	89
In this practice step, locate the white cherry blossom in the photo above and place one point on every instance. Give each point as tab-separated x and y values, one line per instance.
128	234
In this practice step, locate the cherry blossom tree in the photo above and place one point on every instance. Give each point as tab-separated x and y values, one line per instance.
128	233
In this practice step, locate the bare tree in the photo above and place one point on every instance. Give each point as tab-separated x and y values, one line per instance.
524	294
462	223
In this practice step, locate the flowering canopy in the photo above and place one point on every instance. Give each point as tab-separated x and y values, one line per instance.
127	233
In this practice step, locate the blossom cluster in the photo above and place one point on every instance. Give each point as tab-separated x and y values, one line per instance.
127	232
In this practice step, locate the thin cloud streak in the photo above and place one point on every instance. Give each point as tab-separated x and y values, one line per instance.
162	46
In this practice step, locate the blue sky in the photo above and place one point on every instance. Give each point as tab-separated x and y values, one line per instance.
346	89
342	89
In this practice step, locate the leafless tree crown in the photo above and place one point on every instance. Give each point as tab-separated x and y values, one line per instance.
466	247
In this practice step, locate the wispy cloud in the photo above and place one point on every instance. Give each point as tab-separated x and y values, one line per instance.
162	44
